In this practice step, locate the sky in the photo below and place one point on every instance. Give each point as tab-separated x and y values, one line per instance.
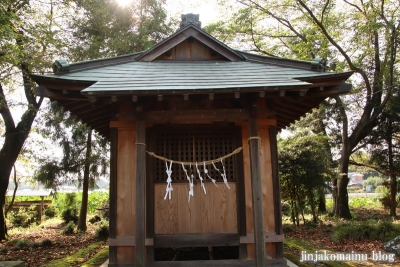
209	10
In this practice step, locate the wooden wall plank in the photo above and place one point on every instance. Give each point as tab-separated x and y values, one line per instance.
126	165
196	240
211	213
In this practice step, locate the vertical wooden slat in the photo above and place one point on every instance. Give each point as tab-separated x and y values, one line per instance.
150	166
113	192
277	189
140	192
258	214
240	192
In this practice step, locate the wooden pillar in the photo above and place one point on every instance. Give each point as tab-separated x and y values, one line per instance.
140	192
257	197
277	189
113	192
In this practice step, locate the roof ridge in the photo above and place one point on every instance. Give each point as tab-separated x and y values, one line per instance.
96	63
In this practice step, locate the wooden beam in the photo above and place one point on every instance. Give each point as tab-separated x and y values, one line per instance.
140	193
269	238
45	92
212	263
197	116
196	240
258	213
276	189
127	241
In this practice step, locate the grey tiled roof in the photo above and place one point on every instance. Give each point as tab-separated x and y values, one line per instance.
171	77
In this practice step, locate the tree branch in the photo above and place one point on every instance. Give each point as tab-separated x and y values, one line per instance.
5	112
337	46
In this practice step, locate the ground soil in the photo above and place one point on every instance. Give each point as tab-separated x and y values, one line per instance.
320	235
61	246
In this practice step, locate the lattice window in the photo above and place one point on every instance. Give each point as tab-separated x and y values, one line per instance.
205	143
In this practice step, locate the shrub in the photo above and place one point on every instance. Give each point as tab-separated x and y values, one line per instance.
384	231
70	211
70	215
20	244
3	250
287	228
381	189
51	211
23	217
104	209
285	208
69	228
102	231
46	243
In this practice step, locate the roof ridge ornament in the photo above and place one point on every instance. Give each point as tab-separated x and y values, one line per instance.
60	66
190	19
318	64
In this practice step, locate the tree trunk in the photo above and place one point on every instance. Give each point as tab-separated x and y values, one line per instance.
85	187
15	191
312	204
341	204
321	200
392	174
15	137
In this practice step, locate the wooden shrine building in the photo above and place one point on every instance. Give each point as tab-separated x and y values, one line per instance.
210	116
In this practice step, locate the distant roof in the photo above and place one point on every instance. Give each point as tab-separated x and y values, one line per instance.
30	193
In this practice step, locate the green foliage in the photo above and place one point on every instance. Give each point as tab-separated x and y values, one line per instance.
70	211
69	228
106	29
374	181
354	230
77	258
51	211
20	244
97	200
364	202
103	230
97	259
24	217
358	36
381	189
304	167
46	243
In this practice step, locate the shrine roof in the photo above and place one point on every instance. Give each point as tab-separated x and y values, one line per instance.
188	77
189	62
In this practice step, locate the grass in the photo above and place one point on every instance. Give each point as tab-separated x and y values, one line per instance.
77	258
98	259
305	245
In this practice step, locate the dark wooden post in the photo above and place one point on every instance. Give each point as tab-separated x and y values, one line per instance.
277	189
113	192
140	192
257	194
